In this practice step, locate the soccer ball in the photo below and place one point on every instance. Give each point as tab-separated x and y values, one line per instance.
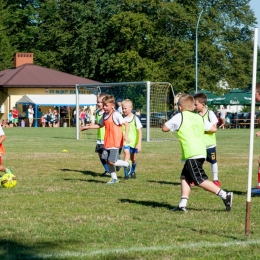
8	180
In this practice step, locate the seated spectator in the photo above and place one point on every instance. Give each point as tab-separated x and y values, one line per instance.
43	120
56	118
4	123
49	118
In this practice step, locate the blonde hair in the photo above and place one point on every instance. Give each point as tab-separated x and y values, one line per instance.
101	94
127	101
108	99
186	102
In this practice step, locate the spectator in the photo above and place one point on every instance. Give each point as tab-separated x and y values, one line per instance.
138	113
10	117
73	117
39	116
4	123
88	115
43	120
15	116
30	115
49	118
56	118
119	104
82	116
223	113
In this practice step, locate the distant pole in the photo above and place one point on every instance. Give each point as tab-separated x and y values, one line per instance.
196	52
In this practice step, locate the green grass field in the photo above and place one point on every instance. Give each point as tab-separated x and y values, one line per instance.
62	209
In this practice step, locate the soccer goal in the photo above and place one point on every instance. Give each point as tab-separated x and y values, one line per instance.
155	100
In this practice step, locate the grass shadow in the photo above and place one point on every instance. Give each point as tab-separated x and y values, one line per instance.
13	250
166	182
96	181
94	174
153	204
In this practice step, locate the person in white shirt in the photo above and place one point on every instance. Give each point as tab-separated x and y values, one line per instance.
30	115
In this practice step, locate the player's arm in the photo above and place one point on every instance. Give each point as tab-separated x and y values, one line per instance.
2	138
139	144
165	128
209	127
125	123
90	126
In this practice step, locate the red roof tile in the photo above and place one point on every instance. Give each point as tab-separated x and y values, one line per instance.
30	75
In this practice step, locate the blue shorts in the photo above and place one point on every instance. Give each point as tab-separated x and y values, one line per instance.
211	155
132	150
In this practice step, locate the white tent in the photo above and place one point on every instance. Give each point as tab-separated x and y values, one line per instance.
58	100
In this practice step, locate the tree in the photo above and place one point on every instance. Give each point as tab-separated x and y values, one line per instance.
258	66
137	40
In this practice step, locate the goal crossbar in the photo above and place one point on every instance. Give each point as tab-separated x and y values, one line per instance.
113	84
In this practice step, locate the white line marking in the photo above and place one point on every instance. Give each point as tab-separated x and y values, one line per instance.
144	249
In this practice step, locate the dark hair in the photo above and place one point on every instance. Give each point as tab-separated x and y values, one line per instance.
201	97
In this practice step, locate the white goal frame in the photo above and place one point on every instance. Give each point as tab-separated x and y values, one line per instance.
148	88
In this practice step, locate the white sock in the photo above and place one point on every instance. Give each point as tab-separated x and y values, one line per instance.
183	202
222	194
121	163
214	168
112	171
113	175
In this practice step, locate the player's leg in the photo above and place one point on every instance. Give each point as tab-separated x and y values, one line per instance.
126	158
123	163
133	156
111	156
201	179
212	159
186	180
99	150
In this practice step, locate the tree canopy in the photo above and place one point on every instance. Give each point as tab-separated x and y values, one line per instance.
134	40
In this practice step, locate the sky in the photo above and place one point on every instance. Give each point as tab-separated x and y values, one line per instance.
255	6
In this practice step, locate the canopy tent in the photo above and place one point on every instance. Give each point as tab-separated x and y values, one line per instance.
234	97
57	100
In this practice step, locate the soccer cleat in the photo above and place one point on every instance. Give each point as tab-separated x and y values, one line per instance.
8	170
192	184
178	208
228	201
128	169
133	175
113	181
216	182
105	174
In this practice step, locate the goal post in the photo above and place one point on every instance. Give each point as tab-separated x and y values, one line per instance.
157	107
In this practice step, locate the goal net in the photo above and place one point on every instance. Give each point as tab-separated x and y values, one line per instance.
155	100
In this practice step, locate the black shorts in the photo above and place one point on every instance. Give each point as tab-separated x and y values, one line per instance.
193	172
99	148
211	155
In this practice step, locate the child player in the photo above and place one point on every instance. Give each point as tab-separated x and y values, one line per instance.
190	128
101	132
113	139
210	139
135	135
2	151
